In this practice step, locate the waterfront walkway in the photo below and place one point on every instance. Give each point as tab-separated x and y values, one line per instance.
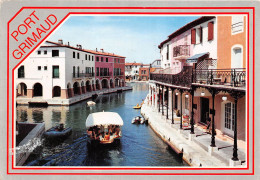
72	100
195	148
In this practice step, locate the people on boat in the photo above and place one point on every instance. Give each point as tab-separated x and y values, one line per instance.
108	133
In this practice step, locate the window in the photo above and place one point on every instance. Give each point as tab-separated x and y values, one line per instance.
118	60
167	54
39	68
45	68
97	59
199	35
86	57
21	72
55	53
186	102
74	72
106	59
237	24
74	54
97	70
39	52
78	55
193	36
55	72
89	57
210	31
92	58
229	116
45	52
101	59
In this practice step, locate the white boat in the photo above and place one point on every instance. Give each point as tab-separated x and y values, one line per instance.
104	127
91	103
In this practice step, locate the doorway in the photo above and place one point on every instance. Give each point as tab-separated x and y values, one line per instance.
204	111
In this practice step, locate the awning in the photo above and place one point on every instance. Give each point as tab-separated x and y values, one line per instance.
194	59
104	118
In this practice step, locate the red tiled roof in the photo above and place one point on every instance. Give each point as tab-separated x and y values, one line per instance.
84	50
186	28
133	64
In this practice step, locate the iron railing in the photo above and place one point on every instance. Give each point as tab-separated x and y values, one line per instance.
82	75
226	77
181	50
181	79
105	74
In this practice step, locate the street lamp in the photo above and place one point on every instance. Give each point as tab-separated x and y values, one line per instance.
177	93
186	95
224	98
202	93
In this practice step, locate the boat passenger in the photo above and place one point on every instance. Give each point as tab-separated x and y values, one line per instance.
107	137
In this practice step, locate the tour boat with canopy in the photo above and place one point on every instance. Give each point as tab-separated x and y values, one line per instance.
104	127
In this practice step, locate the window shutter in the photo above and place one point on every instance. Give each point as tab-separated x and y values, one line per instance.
193	36
210	31
201	34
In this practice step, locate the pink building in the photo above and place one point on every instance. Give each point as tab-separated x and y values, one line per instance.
104	69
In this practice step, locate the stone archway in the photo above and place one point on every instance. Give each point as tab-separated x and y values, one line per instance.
97	85
111	83
88	86
117	82
37	89
21	89
104	83
83	88
56	91
76	88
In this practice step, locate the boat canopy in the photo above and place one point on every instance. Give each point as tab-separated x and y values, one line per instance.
104	118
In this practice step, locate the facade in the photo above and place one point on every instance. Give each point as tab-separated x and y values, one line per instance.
132	70
156	63
144	73
209	89
58	71
119	71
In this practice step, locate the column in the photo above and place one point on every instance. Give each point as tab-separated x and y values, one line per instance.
181	109
192	113
162	99
156	97
213	121
159	98
167	107
172	106
235	156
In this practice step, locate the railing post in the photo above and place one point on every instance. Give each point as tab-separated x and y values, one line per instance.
192	112
172	108
181	109
235	156
213	120
235	82
211	77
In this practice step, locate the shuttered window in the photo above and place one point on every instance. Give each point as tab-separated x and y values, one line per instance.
193	36
210	31
201	34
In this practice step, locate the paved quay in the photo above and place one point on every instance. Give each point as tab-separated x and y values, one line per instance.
72	100
194	148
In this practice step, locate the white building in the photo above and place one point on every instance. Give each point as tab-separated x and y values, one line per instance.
132	70
55	71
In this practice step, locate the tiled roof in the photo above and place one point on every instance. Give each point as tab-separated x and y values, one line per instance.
133	64
84	50
186	28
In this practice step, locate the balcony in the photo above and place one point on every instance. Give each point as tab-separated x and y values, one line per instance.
225	77
119	74
219	77
105	74
181	50
82	75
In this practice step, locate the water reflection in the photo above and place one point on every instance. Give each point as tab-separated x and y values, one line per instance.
139	145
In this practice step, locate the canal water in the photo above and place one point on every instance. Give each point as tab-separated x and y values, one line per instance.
139	146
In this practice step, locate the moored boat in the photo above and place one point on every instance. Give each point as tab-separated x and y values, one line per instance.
58	132
104	127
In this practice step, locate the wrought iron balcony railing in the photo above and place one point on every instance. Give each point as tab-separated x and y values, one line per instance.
226	77
82	75
119	74
181	50
105	74
181	79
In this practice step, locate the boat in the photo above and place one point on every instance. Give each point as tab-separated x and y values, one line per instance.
138	120
137	106
58	132
91	103
104	127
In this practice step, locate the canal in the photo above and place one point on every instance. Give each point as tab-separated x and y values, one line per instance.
139	146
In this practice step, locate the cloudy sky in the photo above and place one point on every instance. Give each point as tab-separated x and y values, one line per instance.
135	37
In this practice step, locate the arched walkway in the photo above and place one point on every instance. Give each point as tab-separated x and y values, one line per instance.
88	86
56	91
111	83
97	85
76	88
83	88
116	82
104	83
69	91
21	89
37	89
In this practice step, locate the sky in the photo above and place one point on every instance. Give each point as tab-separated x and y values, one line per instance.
135	37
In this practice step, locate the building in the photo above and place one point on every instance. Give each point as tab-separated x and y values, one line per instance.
132	70
57	72
209	87
156	63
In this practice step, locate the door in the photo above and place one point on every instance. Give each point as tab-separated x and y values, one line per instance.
237	58
204	111
229	118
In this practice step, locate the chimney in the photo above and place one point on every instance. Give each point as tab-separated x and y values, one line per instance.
68	43
60	41
102	50
96	50
80	47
